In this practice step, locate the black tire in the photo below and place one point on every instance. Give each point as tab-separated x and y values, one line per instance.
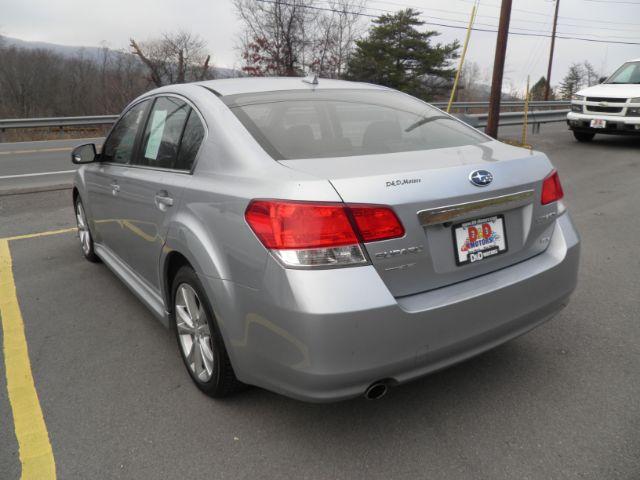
86	243
584	137
223	381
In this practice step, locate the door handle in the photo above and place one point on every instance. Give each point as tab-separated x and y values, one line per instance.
115	188
163	200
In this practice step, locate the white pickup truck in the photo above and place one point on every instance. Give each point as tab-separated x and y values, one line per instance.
613	107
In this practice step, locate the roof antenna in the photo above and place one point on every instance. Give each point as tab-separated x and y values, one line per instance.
311	79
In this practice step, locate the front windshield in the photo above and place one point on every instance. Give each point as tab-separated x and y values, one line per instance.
343	123
628	73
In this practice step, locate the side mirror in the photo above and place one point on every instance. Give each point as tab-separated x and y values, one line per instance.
602	79
84	154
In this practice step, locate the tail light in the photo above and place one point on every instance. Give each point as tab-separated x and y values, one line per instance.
319	234
551	189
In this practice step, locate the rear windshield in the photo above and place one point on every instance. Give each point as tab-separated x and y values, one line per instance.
343	123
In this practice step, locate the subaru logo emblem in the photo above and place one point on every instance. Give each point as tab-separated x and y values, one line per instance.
480	178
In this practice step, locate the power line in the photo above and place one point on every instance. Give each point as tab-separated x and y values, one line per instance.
537	51
614	1
578	19
534	54
486	30
546	22
428	15
524	29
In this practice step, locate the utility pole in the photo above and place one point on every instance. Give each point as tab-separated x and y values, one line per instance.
464	53
498	69
547	87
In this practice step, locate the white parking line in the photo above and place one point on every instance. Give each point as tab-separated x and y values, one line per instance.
37	150
36	174
74	140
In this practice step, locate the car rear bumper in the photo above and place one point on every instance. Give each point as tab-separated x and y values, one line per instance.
327	335
616	125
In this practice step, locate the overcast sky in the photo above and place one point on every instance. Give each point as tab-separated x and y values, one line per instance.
90	23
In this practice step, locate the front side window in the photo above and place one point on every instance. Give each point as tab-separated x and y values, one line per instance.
627	73
342	123
118	148
163	132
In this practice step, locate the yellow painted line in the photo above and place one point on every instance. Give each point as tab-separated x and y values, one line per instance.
38	150
36	454
39	234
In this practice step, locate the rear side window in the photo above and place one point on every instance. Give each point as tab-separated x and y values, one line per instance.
161	140
337	123
118	148
191	140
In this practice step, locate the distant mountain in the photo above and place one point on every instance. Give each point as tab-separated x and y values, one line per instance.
93	53
64	50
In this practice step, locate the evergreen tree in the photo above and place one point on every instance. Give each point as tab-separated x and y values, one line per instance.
397	54
537	91
573	81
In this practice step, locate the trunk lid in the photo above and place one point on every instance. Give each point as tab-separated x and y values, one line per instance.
430	192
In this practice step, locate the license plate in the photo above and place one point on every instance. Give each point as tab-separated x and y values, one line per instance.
479	239
598	123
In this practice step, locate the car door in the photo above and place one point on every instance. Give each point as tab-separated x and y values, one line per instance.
104	179
153	186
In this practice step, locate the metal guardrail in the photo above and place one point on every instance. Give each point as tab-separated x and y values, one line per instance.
534	117
57	122
476	119
505	104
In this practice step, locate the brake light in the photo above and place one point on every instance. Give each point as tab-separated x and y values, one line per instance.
307	234
551	189
376	223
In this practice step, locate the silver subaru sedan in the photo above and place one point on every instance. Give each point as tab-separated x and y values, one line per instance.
319	238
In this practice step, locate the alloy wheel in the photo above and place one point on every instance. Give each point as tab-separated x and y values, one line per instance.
83	229
194	333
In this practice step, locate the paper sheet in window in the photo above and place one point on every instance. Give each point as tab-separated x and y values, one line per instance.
158	120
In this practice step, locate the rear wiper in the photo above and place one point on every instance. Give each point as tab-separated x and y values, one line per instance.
424	120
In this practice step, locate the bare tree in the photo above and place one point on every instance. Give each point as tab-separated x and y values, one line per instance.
590	74
282	37
175	58
338	32
470	83
122	78
275	40
29	82
44	83
289	37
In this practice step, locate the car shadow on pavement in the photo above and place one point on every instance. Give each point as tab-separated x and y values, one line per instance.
615	141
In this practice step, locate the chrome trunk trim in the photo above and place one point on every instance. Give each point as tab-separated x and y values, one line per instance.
435	216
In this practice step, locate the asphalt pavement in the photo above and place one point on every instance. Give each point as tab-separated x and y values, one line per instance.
37	166
562	402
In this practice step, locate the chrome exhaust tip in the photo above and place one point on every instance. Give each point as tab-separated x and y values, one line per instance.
376	391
